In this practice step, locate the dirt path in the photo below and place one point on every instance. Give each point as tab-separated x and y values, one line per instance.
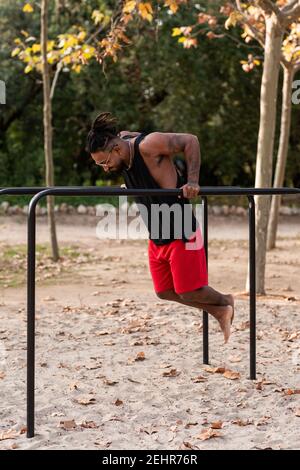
118	368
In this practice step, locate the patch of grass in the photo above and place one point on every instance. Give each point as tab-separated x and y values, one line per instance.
13	264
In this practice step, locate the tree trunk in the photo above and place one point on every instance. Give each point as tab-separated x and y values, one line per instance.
47	114
265	146
285	127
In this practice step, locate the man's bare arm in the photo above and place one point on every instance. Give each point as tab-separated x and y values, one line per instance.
170	144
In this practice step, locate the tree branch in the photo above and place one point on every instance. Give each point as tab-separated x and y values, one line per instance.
269	7
257	35
293	13
55	78
290	5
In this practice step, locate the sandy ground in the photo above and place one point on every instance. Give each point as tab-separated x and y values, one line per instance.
117	368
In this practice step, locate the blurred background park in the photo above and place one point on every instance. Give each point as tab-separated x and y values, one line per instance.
155	84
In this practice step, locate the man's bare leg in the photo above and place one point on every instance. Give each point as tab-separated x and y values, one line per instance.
222	310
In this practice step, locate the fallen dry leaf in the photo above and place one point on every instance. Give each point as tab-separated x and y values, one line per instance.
165	366
297	413
89	425
150	430
198	379
291	391
231	375
102	333
137	343
216	425
140	357
93	365
208	434
262	421
73	386
189	425
85	400
235	358
133	381
241	422
187	445
67	425
9	434
171	373
118	402
215	370
2	375
109	382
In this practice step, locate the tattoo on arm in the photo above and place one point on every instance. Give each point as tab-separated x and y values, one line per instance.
177	144
193	171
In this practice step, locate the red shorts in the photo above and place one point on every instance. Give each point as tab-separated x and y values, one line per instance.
177	265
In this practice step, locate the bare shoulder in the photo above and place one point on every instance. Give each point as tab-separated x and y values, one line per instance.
165	143
133	134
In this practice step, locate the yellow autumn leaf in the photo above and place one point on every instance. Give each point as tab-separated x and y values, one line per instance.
77	68
67	59
16	51
182	39
145	10
256	62
189	42
82	35
24	33
28	69
88	52
27	8
172	4
176	31
17	41
97	16
50	45
36	48
233	18
129	6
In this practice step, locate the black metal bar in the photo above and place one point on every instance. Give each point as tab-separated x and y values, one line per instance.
252	287
31	316
117	191
40	192
205	332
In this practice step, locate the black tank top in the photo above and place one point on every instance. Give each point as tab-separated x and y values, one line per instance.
138	176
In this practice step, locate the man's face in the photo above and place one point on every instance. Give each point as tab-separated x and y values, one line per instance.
109	161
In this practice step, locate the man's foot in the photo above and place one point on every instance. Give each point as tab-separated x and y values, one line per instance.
231	302
225	321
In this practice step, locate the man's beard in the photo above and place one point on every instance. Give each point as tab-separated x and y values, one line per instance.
122	166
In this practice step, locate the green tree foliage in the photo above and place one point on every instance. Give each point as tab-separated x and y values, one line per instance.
155	86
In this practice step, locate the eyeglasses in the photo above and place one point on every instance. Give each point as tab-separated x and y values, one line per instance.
103	165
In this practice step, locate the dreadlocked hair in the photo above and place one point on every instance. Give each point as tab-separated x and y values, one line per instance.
104	129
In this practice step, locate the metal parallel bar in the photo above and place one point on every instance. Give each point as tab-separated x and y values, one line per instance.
252	282
31	230
205	341
116	191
